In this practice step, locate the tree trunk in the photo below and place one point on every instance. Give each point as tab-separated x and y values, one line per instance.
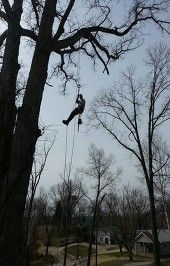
166	217
65	251
23	146
8	79
120	247
96	245
156	251
67	233
27	238
91	236
130	253
165	212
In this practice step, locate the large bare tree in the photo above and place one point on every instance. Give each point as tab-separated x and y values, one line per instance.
134	112
54	27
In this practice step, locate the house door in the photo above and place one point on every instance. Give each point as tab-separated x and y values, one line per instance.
106	240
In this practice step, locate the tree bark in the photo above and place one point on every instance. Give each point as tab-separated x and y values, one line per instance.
23	146
8	79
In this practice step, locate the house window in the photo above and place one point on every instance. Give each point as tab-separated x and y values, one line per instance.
101	239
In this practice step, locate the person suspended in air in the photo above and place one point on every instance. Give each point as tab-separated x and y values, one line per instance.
78	110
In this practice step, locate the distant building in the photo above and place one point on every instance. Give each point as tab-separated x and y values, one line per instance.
104	237
144	242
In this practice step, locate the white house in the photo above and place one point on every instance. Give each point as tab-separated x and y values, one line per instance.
104	237
144	242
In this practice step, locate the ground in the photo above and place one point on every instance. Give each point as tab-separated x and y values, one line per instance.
106	256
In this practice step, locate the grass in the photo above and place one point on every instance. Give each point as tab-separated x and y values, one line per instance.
116	254
165	262
111	263
117	259
82	250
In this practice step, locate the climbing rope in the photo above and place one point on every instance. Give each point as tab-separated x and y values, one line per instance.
72	152
74	131
65	159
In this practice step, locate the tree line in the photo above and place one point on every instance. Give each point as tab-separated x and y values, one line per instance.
68	212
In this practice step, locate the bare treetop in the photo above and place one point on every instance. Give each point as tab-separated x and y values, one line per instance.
90	27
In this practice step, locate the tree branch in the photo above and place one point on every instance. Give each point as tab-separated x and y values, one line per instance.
60	30
8	9
3	37
28	33
34	4
4	16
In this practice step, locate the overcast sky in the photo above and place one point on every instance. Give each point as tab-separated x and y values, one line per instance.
56	107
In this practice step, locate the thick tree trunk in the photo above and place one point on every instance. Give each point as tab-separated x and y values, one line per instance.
23	146
156	251
8	79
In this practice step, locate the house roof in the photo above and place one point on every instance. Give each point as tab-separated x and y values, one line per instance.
145	233
163	235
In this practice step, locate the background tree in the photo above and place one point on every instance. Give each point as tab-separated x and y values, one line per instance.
137	107
19	129
99	169
39	162
132	205
162	177
125	212
68	193
111	209
45	213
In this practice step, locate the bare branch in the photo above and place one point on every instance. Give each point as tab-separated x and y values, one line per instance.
34	4
60	30
3	37
28	33
8	9
4	16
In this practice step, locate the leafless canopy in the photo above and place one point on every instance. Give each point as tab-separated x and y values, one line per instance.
126	112
86	32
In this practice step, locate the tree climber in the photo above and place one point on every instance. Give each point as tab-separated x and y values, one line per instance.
78	110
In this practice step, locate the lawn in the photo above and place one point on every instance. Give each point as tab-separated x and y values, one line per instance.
116	259
82	250
109	259
111	263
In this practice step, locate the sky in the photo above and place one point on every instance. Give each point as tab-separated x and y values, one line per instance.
56	107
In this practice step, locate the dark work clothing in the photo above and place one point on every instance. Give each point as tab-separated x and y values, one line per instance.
73	113
81	105
78	110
